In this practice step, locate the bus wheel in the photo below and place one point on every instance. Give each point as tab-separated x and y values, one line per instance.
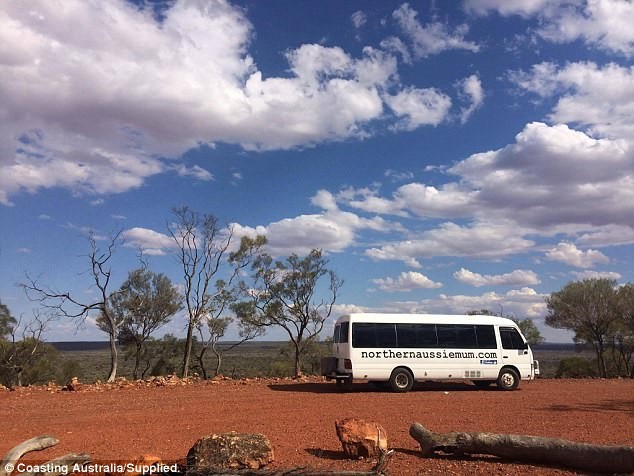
401	380
508	379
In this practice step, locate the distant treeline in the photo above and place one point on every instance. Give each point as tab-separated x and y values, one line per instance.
103	345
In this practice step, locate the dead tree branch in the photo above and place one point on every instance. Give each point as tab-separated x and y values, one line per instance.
532	449
40	443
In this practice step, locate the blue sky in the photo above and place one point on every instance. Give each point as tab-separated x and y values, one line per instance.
447	156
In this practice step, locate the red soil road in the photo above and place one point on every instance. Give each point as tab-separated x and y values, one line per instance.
298	418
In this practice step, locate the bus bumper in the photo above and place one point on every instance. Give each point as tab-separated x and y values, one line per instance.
330	371
535	369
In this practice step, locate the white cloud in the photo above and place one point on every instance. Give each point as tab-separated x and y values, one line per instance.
332	230
149	241
406	281
584	99
569	254
431	38
485	240
397	176
517	277
196	172
607	236
473	92
451	200
521	303
508	7
605	24
581	275
395	45
142	91
359	19
419	107
553	178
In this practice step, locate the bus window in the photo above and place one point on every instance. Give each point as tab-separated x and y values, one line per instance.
363	335
416	335
373	335
466	337
343	333
486	337
446	335
511	339
335	337
386	335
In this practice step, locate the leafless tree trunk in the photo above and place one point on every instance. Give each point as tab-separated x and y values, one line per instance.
64	304
535	449
202	245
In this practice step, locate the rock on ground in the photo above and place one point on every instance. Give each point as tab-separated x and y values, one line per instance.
361	439
230	451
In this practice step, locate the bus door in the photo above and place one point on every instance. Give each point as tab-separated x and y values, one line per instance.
515	351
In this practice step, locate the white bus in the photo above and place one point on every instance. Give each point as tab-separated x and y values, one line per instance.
400	349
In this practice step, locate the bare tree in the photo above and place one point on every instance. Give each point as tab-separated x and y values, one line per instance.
202	245
67	305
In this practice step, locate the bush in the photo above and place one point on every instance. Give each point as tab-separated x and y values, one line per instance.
576	367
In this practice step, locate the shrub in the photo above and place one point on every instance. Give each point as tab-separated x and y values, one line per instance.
576	367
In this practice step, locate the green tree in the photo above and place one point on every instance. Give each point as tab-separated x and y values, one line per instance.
623	336
285	294
162	356
589	308
529	330
7	321
145	302
23	352
527	326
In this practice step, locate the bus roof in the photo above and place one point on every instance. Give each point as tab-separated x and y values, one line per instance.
427	318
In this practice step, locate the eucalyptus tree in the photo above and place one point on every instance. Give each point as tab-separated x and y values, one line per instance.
589	308
296	294
203	249
144	303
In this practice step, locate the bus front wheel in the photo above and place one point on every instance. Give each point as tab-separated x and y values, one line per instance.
508	379
401	380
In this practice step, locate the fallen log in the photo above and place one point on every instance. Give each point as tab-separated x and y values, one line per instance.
39	443
531	449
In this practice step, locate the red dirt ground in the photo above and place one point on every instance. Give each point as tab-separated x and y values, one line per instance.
298	418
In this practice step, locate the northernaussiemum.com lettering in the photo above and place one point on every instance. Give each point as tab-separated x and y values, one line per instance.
442	354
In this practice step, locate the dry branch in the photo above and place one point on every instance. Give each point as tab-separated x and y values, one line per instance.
40	443
533	449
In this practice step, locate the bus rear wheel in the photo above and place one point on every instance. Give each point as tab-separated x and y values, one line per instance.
401	380
508	379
